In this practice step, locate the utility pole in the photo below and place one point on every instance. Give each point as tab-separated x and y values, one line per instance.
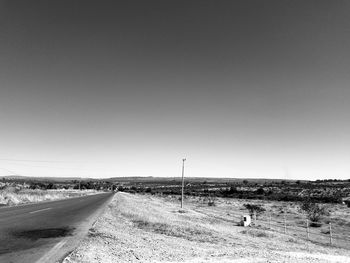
183	182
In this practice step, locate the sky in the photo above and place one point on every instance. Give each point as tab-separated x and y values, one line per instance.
246	89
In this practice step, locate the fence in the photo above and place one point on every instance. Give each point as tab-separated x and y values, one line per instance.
329	234
326	236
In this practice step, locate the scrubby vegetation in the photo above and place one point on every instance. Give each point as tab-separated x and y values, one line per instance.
14	191
320	191
254	209
313	211
14	196
56	183
150	228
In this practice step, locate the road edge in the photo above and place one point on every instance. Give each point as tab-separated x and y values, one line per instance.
54	254
91	222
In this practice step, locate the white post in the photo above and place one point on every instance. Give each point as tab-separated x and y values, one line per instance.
285	222
183	182
270	221
330	233
307	229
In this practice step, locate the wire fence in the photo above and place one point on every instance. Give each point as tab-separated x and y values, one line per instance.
326	236
302	229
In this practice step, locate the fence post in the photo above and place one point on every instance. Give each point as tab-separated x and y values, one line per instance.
307	229
285	223
254	218
330	233
270	221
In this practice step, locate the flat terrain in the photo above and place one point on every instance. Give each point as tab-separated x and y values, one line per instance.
149	228
45	232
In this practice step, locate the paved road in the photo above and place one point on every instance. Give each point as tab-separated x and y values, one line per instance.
45	232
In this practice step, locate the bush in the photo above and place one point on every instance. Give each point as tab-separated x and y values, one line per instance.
211	200
254	209
260	191
315	224
313	210
211	203
121	188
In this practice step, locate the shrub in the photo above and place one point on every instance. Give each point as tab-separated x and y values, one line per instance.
260	191
313	211
254	209
121	188
211	202
315	224
347	202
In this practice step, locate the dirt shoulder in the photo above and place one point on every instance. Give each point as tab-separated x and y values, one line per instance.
145	228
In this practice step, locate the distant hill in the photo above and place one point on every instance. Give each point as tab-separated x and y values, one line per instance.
196	179
45	179
143	179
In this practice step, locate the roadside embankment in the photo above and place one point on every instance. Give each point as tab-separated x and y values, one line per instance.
145	228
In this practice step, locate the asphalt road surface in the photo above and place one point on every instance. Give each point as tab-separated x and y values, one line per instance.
46	232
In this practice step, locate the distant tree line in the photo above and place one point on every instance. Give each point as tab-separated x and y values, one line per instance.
75	184
234	192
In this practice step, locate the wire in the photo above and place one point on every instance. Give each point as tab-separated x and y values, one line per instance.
39	161
289	229
11	172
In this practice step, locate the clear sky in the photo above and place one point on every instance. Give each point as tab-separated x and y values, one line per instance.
245	88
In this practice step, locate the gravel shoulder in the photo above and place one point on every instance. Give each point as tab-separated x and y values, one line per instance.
146	228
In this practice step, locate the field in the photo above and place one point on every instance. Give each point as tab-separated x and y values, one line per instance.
279	216
153	228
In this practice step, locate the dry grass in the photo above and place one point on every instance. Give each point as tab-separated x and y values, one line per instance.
202	223
232	210
171	222
257	233
12	196
145	228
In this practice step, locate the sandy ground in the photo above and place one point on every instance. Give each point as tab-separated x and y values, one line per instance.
145	228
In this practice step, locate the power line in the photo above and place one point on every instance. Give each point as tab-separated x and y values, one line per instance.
56	167
11	172
39	161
